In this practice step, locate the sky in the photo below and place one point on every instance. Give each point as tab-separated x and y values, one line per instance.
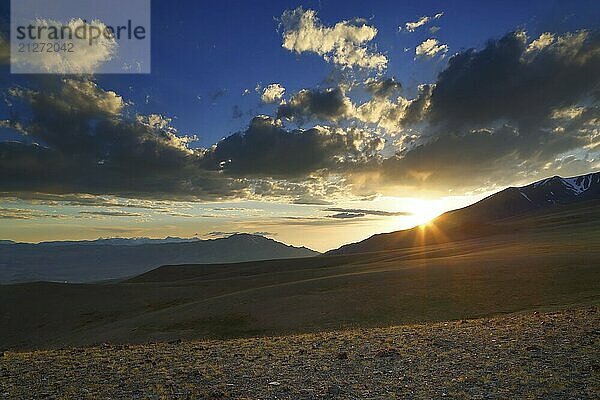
316	123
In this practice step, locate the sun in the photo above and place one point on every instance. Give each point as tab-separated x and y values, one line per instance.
424	212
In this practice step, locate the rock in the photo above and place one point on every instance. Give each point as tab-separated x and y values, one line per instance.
274	383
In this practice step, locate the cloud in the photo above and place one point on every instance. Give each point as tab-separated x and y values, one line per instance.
478	160
500	115
345	215
430	48
25	214
266	149
412	26
385	109
307	199
113	213
382	87
343	44
88	59
506	112
325	221
502	82
85	200
545	40
379	213
328	104
83	140
272	93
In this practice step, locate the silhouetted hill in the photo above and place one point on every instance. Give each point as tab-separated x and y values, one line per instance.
112	259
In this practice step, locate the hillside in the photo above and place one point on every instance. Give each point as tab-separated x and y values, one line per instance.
557	263
90	261
491	215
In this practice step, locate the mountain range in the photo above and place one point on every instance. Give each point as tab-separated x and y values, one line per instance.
105	259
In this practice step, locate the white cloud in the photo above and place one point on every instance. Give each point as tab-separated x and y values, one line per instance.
343	44
412	26
430	48
570	112
545	40
85	58
383	112
273	93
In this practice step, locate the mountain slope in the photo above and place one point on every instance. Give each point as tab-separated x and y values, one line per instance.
485	217
89	261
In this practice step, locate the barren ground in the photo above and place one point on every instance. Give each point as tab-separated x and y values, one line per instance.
550	355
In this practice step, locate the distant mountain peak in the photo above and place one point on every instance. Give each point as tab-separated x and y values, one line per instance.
559	190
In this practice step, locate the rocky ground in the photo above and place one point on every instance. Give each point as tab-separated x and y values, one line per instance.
553	355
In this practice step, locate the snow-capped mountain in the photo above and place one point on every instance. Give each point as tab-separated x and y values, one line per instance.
548	192
557	190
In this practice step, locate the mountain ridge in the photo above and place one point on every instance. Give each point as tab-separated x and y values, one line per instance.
484	215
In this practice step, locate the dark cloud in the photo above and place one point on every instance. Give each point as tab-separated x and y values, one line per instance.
82	141
84	200
418	107
380	213
267	149
508	80
383	87
477	159
346	215
311	200
510	111
329	104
